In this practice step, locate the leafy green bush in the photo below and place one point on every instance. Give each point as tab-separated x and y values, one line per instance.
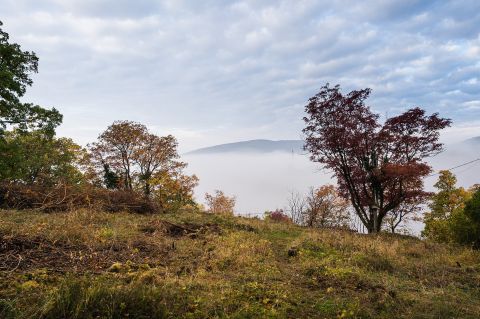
455	213
472	223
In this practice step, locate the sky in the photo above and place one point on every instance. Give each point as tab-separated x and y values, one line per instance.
213	72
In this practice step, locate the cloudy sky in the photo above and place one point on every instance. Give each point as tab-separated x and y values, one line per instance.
220	71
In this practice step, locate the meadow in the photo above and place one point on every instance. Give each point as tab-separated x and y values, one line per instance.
92	264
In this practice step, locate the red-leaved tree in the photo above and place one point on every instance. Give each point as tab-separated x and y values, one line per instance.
378	167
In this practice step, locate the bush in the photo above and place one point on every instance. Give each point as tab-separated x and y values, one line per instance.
120	200
472	215
277	216
57	198
219	203
455	213
67	197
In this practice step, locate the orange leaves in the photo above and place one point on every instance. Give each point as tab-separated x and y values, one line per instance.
143	162
219	203
135	154
326	208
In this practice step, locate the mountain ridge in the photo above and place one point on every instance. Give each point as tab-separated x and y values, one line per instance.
473	140
252	146
269	146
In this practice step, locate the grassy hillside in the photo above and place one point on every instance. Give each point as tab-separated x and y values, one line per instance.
193	265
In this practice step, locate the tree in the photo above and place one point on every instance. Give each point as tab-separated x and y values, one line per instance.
444	219
172	188
16	67
378	167
110	178
153	154
449	197
38	158
472	212
117	147
127	156
219	203
325	208
405	212
296	206
127	151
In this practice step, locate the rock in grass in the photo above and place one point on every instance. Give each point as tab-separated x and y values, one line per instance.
292	252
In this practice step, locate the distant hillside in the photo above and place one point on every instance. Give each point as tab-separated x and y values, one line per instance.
473	141
253	146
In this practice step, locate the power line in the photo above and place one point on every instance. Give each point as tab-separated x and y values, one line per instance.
458	166
468	168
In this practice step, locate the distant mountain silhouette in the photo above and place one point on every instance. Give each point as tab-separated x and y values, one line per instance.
473	141
253	146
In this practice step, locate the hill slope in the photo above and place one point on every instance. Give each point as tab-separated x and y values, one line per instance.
253	146
194	265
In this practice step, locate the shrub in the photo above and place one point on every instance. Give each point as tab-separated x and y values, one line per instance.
57	198
277	216
67	197
121	200
219	203
455	213
472	215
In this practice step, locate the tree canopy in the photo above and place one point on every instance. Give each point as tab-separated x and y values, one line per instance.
325	208
16	67
129	156
454	214
378	167
38	158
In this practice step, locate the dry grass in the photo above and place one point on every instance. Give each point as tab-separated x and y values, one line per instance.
88	264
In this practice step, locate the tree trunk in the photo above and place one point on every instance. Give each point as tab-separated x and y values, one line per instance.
374	224
147	188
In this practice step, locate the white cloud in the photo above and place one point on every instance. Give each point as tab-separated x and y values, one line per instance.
240	67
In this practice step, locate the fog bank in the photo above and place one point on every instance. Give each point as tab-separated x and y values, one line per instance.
263	181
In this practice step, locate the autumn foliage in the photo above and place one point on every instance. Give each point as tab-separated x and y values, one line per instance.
277	216
129	157
326	208
219	203
378	166
128	168
321	207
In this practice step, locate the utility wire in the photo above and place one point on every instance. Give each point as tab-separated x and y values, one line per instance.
458	166
468	168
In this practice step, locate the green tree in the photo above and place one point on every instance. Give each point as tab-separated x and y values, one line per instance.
38	158
110	178
472	213
446	220
16	67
